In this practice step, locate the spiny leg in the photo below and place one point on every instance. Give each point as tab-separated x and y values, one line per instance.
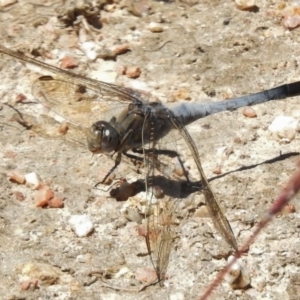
170	153
117	162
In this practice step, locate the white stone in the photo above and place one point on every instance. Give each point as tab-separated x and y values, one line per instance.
177	296
104	75
244	4
32	180
284	128
89	48
237	276
81	224
155	27
234	271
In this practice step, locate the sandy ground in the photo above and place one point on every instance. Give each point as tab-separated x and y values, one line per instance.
195	50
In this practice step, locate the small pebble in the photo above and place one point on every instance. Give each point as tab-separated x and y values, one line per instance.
68	62
145	274
217	170
228	93
63	128
20	97
32	180
42	196
133	72
16	176
81	225
155	27
55	202
89	49
284	127
291	17
249	112
32	283
291	22
121	49
237	276
234	271
245	4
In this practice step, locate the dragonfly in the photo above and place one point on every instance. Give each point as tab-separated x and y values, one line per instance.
120	121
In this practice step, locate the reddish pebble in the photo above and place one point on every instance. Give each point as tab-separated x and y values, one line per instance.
217	171
42	196
55	203
63	128
33	283
145	274
68	62
16	176
249	112
20	98
291	22
121	49
133	72
237	140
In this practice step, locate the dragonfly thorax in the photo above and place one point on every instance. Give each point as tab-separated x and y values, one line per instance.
102	138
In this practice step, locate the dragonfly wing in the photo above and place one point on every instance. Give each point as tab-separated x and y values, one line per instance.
160	213
49	128
218	217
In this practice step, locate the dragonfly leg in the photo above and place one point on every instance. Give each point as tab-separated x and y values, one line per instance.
117	162
132	156
169	153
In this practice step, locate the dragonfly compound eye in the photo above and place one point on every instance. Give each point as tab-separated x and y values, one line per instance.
102	137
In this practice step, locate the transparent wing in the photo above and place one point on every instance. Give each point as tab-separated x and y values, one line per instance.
79	100
225	140
78	104
218	217
176	158
108	91
160	213
49	128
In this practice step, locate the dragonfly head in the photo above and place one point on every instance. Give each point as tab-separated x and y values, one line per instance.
102	138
